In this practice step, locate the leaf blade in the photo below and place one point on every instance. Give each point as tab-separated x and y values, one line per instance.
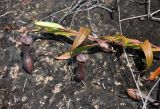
48	24
73	52
154	74
147	49
83	34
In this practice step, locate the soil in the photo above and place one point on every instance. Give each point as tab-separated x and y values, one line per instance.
50	86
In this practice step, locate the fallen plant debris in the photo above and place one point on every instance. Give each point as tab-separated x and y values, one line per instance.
135	95
82	42
107	75
78	45
83	34
102	41
154	74
146	47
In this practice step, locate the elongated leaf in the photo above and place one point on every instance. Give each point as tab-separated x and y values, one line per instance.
154	74
128	42
64	33
119	39
54	28
83	34
110	38
74	52
134	41
48	24
59	32
156	49
124	40
146	47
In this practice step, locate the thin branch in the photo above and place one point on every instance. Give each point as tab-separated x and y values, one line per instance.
5	13
155	12
133	76
89	18
145	15
73	19
24	85
51	15
76	14
135	17
120	27
99	6
149	8
145	103
70	10
119	17
155	19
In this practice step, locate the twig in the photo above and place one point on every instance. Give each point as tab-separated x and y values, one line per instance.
145	15
120	27
145	103
24	85
89	18
149	8
70	10
99	6
119	17
86	9
54	13
76	14
155	19
68	103
71	5
73	19
135	17
155	12
133	76
5	13
79	2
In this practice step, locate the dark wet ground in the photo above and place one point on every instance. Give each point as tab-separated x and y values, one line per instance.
50	86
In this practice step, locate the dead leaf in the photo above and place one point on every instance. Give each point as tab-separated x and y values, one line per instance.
155	49
154	74
83	34
146	47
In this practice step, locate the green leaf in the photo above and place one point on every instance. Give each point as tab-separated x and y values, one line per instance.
147	49
55	28
59	32
74	52
63	33
48	24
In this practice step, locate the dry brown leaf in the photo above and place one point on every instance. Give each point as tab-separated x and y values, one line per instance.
65	55
146	47
83	34
156	49
154	74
